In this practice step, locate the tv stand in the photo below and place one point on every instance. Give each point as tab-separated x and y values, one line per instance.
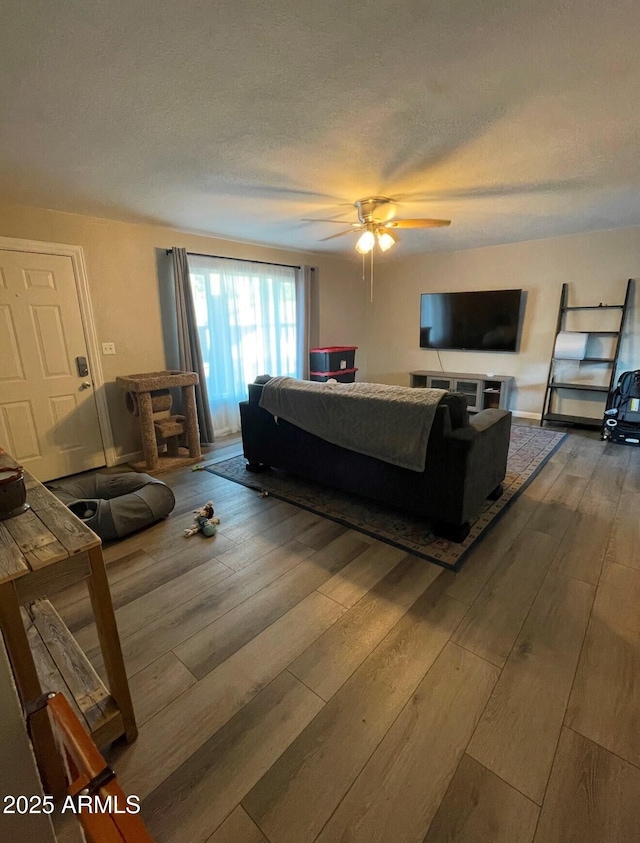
482	391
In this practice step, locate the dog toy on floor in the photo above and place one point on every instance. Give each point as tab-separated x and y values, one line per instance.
205	521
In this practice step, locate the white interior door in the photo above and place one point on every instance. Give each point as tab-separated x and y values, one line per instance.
48	416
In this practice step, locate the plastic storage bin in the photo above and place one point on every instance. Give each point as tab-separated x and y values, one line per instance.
342	375
333	358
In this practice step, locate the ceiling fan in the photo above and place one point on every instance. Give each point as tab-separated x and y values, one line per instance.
377	224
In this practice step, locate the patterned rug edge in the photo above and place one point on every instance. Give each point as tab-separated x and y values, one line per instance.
256	487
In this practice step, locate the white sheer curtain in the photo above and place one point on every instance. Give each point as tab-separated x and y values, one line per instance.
251	319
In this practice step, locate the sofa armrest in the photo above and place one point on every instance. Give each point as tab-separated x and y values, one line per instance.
479	423
487	418
476	457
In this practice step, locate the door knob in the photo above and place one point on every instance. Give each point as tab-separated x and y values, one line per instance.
85	385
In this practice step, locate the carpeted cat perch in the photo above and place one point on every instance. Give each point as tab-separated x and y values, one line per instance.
148	394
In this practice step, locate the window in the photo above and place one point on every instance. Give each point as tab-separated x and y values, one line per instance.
247	316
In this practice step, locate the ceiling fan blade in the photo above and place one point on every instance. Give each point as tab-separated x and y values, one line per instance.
417	223
340	234
340	222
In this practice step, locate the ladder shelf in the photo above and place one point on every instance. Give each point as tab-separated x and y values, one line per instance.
549	413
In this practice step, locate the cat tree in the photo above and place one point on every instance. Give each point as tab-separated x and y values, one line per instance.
147	394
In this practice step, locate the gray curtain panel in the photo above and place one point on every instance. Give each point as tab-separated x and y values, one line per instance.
304	277
188	341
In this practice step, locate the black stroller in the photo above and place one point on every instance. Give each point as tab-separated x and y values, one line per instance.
622	416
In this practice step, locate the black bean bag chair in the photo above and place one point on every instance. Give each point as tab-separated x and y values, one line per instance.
114	505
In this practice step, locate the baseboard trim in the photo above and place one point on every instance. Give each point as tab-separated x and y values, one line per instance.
134	456
521	414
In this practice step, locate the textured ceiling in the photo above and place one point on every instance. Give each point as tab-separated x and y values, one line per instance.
517	120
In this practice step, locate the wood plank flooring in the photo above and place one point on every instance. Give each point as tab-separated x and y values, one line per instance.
479	807
296	681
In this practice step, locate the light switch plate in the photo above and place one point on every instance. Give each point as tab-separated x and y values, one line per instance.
108	348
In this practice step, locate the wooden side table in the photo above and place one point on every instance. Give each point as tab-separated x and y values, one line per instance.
42	551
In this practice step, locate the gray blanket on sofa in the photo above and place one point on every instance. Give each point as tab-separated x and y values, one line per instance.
390	423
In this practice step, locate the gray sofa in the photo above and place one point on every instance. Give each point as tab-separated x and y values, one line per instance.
465	462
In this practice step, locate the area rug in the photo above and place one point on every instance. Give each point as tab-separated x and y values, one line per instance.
529	450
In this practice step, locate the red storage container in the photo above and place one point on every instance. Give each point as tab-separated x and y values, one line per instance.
333	358
342	375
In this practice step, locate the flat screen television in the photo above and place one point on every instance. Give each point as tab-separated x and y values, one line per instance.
475	321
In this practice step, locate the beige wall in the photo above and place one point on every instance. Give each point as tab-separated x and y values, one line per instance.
122	265
596	266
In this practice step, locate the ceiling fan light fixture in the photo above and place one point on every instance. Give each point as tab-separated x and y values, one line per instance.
386	240
366	242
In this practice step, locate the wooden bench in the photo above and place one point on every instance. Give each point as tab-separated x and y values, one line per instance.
42	551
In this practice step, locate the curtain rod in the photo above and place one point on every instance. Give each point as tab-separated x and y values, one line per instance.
244	260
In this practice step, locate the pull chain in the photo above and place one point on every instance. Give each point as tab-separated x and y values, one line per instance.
364	275
371	291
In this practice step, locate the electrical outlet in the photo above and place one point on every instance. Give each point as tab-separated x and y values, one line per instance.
108	348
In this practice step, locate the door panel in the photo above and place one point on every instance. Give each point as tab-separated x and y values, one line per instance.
47	420
20	431
12	368
64	410
49	333
39	278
